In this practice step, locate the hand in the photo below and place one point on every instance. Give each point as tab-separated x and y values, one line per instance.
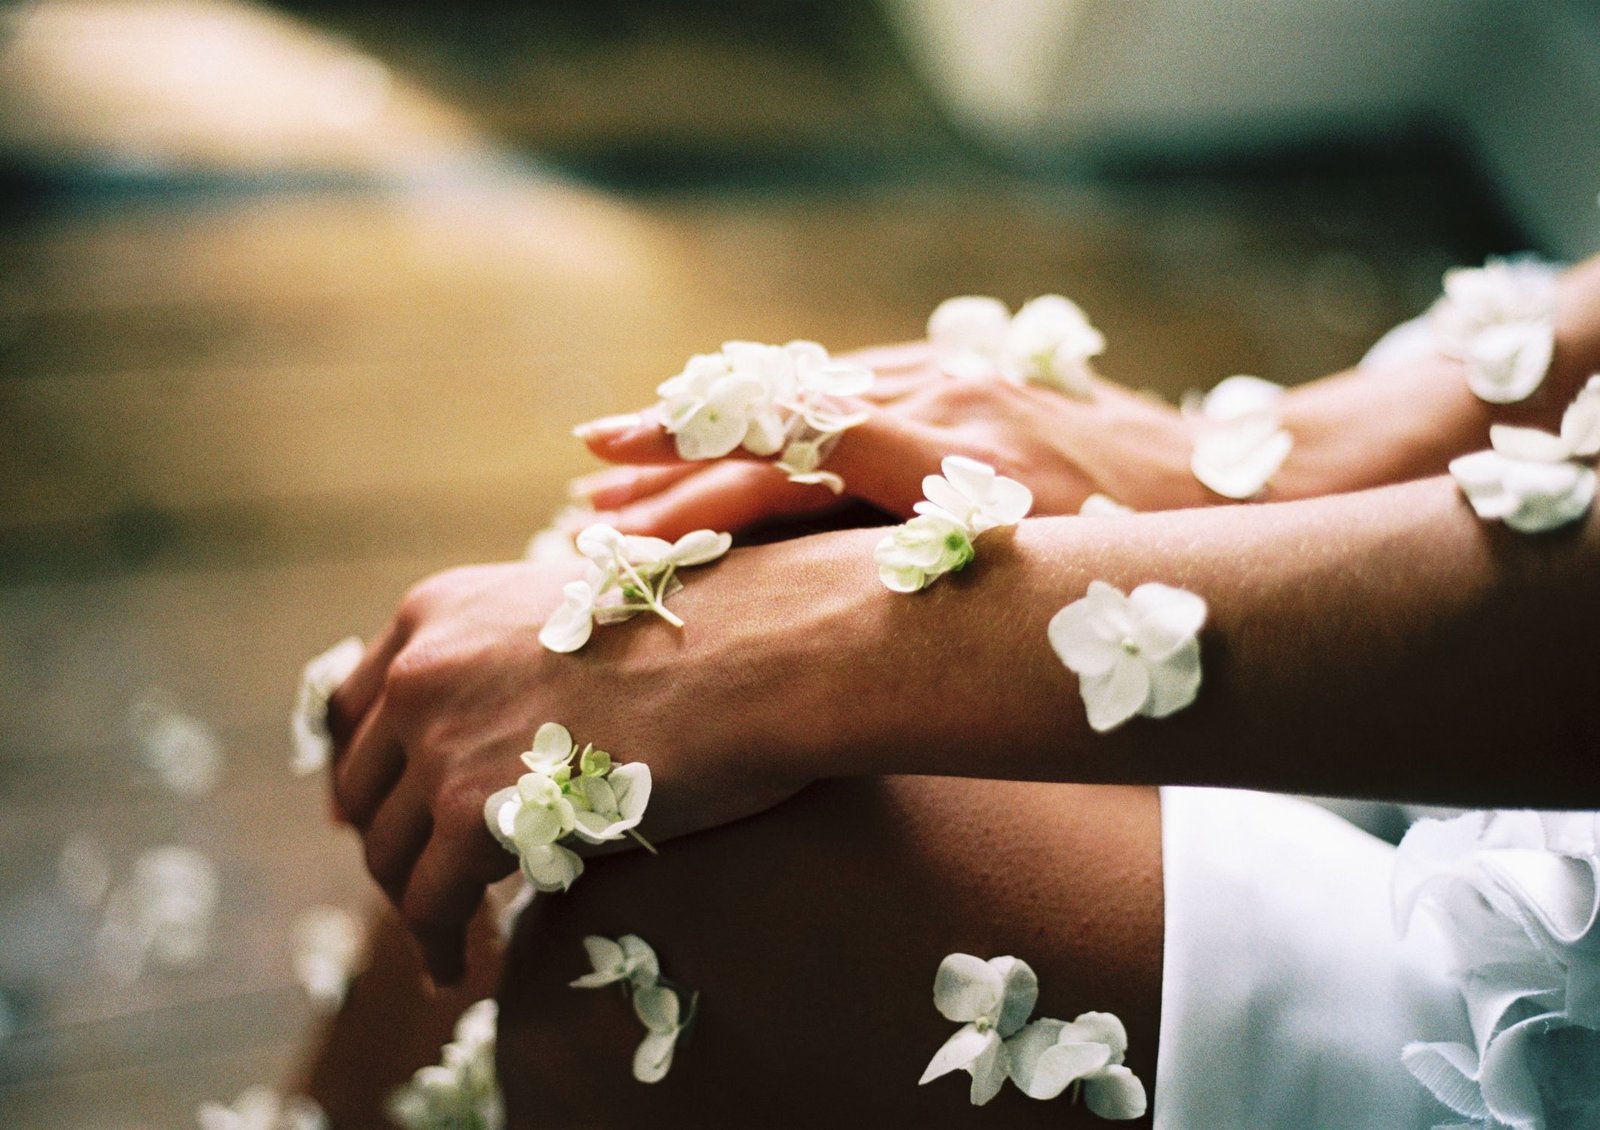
448	695
1132	447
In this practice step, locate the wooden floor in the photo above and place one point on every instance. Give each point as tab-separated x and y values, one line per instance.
237	424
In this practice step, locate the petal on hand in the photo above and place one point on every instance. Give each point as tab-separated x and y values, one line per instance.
552	745
964	1047
1111	699
1165	618
1116	1093
946	497
969	476
967	987
569	626
699	546
710	433
551	867
535	826
840	378
902	578
500	822
631	783
1008	502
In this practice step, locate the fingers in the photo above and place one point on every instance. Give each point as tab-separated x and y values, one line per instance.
729	496
396	835
629	439
885	459
615	487
369	768
355	696
444	891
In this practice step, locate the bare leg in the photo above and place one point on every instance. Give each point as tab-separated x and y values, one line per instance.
813	933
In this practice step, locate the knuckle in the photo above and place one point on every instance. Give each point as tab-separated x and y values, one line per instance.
413	673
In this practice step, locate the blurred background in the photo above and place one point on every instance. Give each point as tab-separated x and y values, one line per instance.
299	302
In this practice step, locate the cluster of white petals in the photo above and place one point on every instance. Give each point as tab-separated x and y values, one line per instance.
1506	905
308	725
1239	440
328	945
785	400
1049	342
163	915
262	1108
181	750
461	1092
1529	478
565	792
1099	505
992	1001
968	499
1133	654
1499	321
626	574
631	963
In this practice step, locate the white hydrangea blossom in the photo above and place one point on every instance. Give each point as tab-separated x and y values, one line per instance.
1099	505
968	499
1499	321
1048	1056
1133	654
992	1000
461	1092
328	945
164	914
262	1108
1529	479
1049	342
1239	440
181	750
631	963
787	400
627	574
308	725
599	802
1505	905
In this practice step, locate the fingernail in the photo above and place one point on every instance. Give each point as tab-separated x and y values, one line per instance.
607	424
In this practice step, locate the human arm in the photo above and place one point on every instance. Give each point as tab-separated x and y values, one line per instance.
1380	643
1360	428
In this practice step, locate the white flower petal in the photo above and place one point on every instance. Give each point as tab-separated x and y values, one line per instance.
988	1072
653	1058
1527	444
1076	642
552	747
1115	1093
551	867
1165	618
657	1008
644	969
969	334
1098	1028
945	495
570	625
1239	396
606	957
967	987
1580	424
1060	1066
308	725
1019	993
699	547
1111	699
839	378
1099	505
963	1048
631	783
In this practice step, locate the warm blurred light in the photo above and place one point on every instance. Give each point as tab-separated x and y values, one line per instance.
204	86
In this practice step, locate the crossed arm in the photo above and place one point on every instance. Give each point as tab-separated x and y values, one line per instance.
1377	642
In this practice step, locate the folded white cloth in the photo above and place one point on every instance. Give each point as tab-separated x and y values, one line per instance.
1287	995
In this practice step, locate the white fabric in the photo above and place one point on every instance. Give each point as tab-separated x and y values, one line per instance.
1286	994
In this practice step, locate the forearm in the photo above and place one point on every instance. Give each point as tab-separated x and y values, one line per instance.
1370	427
1383	644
